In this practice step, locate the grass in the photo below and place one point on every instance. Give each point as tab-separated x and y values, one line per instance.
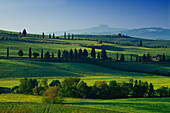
71	105
11	71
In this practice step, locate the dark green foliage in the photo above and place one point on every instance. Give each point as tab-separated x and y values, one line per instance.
85	53
71	55
137	58
163	57
122	58
72	36
20	53
44	82
117	56
52	55
80	54
75	54
65	54
30	53
7	54
64	35
162	92
26	85
68	36
49	35
41	53
38	90
98	55
148	57
144	58
35	54
53	36
55	83
47	55
131	57
93	53
141	43
151	90
43	35
103	54
59	54
24	32
68	87
82	89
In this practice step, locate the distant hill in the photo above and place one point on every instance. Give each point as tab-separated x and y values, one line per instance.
147	33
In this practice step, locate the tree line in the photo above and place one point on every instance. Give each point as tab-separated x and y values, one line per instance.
76	88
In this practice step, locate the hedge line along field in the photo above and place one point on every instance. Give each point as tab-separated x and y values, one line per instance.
11	71
72	105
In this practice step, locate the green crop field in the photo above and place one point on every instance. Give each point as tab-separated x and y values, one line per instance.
70	105
12	70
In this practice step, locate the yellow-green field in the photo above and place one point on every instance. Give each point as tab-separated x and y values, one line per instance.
71	105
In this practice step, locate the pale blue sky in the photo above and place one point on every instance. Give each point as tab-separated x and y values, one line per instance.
59	15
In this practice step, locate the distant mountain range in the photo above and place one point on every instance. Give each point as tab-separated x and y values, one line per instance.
156	33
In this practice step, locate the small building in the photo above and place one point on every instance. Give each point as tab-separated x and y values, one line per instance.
156	58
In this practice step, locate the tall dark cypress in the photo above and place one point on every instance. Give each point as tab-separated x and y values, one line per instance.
30	53
163	57
59	54
98	55
131	57
7	55
52	55
80	53
117	56
137	58
103	54
53	36
64	35
122	58
93	53
71	55
69	36
72	36
85	53
43	35
75	53
41	53
141	43
49	35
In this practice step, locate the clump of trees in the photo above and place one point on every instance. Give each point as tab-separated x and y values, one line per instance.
76	88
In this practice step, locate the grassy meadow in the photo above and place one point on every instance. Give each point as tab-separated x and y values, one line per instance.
71	105
12	70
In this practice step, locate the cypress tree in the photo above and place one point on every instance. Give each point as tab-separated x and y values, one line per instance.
85	53
7	55
131	57
103	54
80	53
148	57
30	53
65	54
71	55
68	36
72	36
64	35
53	36
151	90
137	59
117	56
75	53
24	32
49	35
52	55
144	58
93	53
59	54
43	35
98	55
122	58
41	53
163	57
47	55
141	43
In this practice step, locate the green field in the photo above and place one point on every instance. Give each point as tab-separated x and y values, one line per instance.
12	70
139	105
